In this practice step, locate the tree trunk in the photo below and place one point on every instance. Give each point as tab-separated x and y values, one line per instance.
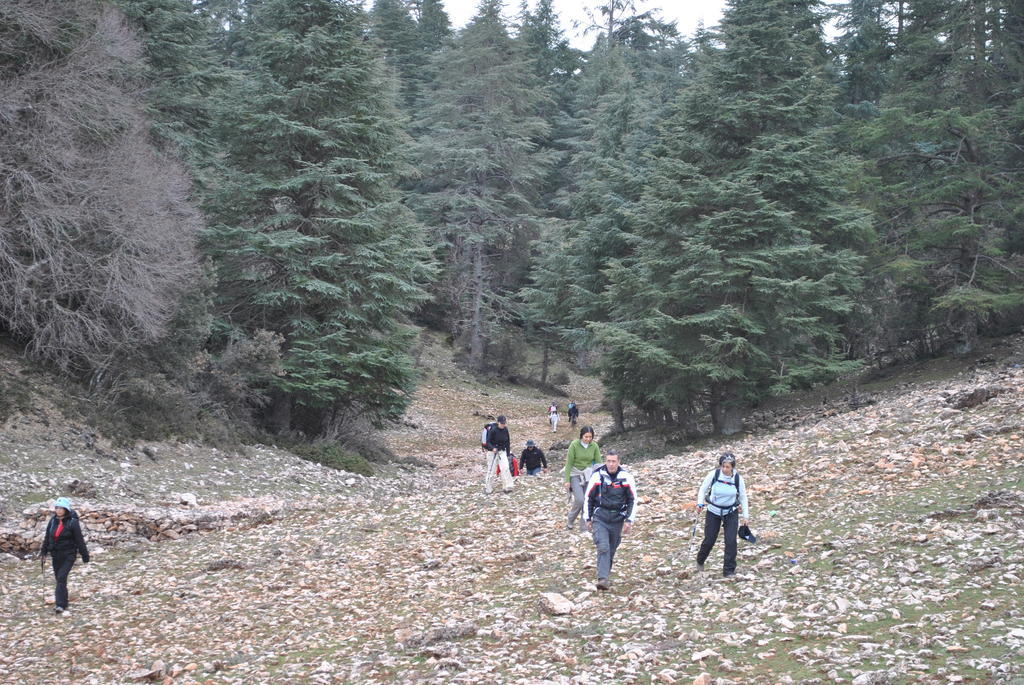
726	413
688	420
618	423
476	321
279	413
545	362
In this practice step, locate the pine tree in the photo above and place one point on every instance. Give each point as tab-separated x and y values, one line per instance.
398	35
554	61
183	74
948	188
742	269
308	237
481	166
618	98
435	29
865	50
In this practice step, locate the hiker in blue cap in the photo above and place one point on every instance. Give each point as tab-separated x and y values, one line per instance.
63	541
532	460
725	495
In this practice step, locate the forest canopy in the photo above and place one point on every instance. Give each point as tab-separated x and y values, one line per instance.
239	212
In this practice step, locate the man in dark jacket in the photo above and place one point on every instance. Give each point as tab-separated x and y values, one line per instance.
608	508
63	541
499	445
532	459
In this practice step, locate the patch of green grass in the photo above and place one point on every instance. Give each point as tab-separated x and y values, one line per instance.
335	457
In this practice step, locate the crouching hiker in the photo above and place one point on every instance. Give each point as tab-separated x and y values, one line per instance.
608	509
63	541
533	460
725	494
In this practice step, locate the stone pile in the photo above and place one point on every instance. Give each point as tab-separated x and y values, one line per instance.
117	524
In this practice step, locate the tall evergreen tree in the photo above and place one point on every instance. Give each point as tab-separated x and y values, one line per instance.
307	234
182	71
398	35
481	166
435	28
554	60
619	96
865	48
742	268
948	186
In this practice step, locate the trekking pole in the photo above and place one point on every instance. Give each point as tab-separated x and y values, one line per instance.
693	533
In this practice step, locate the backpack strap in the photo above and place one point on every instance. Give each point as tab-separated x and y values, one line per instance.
707	495
735	484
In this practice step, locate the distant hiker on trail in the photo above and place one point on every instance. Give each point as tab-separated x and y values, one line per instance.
532	459
725	494
583	455
553	416
498	445
574	414
608	509
63	541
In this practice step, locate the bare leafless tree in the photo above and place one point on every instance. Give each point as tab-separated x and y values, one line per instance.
97	229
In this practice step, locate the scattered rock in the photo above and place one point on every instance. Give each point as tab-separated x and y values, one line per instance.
555	604
972	398
874	678
223	564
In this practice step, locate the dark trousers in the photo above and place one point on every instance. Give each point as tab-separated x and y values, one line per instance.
62	564
607	536
712	524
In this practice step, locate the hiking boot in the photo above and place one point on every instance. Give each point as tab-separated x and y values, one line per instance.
507	490
58	610
700	567
603	584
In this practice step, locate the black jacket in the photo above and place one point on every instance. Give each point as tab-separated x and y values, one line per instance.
70	540
498	439
532	457
609	497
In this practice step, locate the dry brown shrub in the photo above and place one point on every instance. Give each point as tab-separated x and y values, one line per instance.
97	229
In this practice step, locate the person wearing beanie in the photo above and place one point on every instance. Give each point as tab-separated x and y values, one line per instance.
532	459
725	495
63	541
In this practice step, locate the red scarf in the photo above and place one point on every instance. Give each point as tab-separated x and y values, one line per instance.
60	528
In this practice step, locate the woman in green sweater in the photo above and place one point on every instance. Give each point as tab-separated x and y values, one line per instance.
582	456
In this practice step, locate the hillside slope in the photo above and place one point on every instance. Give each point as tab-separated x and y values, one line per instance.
890	551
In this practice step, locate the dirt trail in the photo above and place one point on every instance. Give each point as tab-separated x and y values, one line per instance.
889	553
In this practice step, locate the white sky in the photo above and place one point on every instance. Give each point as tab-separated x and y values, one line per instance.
686	13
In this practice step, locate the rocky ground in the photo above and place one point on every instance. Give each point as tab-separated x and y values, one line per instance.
890	551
